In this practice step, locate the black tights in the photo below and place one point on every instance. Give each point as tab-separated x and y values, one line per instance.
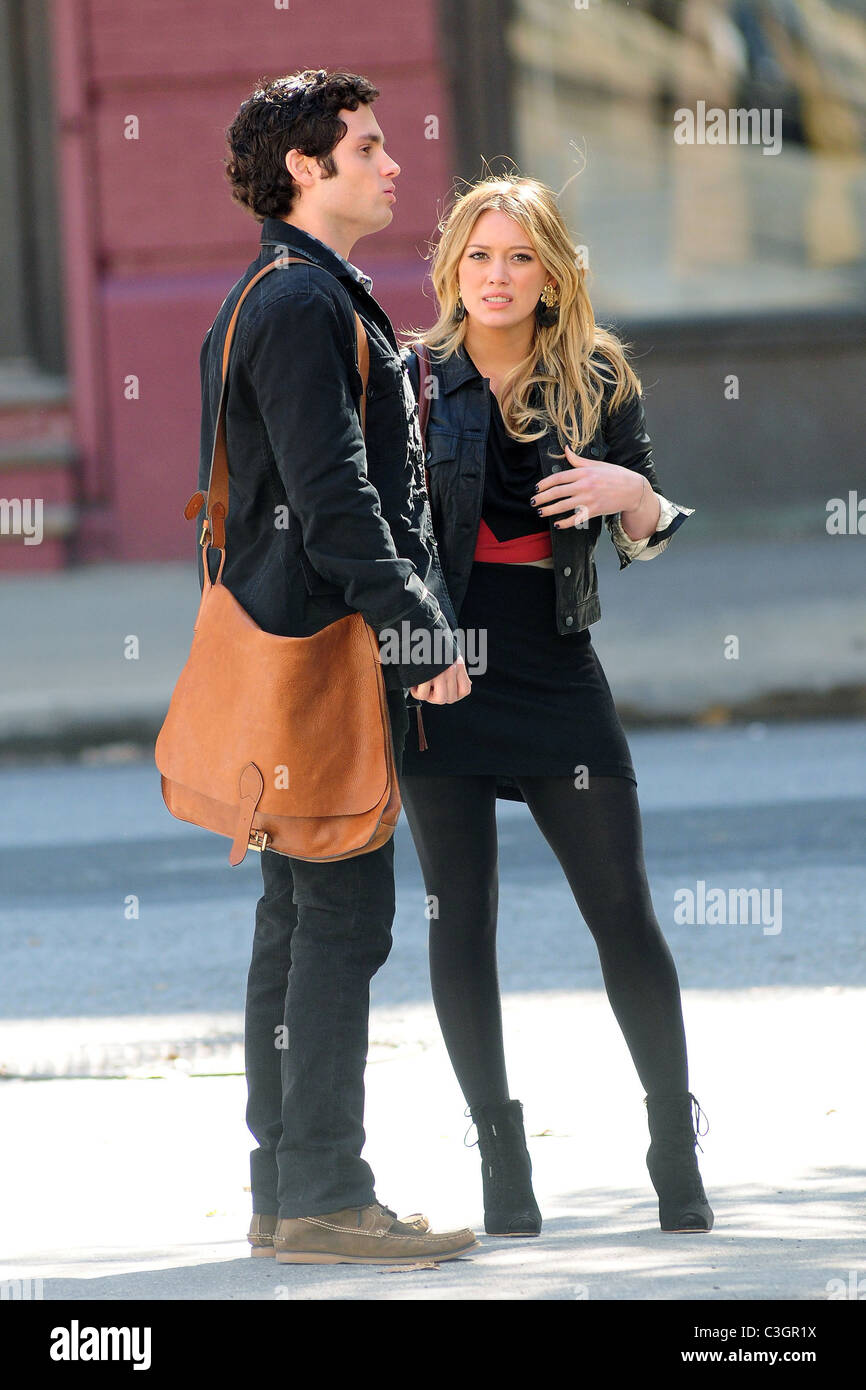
596	835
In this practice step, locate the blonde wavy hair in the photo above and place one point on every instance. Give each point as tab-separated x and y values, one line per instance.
559	366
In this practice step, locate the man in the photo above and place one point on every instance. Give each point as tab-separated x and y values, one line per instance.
321	523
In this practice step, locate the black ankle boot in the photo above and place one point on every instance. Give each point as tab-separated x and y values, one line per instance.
673	1164
510	1208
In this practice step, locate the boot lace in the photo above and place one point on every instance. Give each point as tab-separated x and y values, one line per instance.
468	1115
699	1115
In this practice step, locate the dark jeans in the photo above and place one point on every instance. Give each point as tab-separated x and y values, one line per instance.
322	931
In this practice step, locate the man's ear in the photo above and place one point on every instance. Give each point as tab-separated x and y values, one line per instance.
299	166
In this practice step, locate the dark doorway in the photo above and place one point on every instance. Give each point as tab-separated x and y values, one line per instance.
31	328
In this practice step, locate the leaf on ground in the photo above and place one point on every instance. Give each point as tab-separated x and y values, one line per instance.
408	1269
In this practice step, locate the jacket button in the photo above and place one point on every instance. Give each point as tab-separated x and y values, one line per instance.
567	569
593	450
569	621
557	468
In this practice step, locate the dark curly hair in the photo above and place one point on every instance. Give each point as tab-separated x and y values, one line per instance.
297	112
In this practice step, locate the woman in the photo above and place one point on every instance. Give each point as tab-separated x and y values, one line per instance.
535	407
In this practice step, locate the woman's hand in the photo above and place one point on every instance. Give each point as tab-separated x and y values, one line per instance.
589	488
446	688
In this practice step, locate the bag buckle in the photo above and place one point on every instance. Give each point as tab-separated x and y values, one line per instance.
258	839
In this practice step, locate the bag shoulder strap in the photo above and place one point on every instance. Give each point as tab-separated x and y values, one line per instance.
424	373
216	501
423	356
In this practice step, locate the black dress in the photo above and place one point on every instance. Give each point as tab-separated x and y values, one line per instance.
542	706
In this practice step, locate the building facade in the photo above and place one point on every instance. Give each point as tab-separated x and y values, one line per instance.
121	239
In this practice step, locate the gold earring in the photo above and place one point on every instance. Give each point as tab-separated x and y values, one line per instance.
550	296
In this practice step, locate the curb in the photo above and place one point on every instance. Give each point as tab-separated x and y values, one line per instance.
130	739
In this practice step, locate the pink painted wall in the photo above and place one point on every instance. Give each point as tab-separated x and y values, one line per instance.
153	241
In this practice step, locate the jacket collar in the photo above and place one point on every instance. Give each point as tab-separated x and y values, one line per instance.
276	232
455	370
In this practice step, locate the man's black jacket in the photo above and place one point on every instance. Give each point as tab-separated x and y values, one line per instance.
320	524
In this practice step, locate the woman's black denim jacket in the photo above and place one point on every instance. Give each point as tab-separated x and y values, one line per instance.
456	446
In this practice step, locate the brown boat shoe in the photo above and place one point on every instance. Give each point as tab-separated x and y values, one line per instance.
263	1225
364	1235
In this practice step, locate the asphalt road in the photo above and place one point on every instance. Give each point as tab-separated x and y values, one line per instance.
116	910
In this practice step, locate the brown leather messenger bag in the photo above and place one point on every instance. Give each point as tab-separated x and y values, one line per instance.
280	743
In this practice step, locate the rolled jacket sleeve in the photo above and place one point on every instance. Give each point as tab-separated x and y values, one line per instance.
630	446
301	363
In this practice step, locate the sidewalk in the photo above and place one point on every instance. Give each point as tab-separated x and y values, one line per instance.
151	1199
798	608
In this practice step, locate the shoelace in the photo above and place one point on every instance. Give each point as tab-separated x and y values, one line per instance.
698	1116
467	1113
694	1119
